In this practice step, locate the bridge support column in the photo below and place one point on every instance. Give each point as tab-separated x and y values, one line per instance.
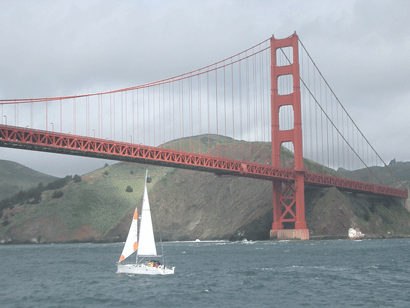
277	206
288	196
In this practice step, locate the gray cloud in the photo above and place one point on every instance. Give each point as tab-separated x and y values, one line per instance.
53	48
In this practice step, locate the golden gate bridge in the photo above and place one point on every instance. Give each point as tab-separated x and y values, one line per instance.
265	113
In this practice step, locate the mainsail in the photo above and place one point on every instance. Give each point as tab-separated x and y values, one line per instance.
146	240
131	244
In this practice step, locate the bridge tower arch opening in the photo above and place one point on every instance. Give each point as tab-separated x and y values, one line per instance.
288	195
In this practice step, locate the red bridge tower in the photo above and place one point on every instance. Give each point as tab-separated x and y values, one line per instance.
288	196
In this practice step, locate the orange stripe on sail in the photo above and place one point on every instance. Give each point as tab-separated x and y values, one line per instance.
136	214
122	258
135	246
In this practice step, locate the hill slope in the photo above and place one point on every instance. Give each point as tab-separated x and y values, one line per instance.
187	205
15	177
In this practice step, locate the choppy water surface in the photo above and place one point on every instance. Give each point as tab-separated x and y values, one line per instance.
368	273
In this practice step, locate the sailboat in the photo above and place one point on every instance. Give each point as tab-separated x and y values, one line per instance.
147	260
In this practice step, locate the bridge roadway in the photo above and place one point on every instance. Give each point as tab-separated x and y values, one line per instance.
46	141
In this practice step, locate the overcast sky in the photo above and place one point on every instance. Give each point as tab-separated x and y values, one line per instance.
54	48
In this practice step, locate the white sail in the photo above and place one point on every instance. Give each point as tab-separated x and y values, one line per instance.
131	244
146	240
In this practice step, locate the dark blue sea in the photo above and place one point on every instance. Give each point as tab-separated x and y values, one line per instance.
340	273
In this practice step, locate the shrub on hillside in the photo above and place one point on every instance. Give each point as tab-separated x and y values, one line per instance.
129	189
35	200
57	194
58	183
77	178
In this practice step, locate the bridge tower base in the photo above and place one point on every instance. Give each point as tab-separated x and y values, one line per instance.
289	234
288	196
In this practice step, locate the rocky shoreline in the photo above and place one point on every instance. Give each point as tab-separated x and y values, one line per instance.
95	241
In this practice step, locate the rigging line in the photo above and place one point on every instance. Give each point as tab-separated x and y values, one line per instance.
337	99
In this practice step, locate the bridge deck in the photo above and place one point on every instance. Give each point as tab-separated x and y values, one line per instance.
37	140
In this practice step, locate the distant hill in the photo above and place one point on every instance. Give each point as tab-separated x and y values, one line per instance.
400	169
15	177
189	205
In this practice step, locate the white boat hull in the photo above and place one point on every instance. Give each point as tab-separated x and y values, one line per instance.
142	269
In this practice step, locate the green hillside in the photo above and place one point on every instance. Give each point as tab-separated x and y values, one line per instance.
87	209
15	177
400	169
187	205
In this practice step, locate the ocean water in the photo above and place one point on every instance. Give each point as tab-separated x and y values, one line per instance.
341	273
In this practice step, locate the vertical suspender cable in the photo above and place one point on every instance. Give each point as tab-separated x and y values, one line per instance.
226	137
133	115
216	111
199	112
154	119
74	124
208	104
61	116
233	111
240	107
